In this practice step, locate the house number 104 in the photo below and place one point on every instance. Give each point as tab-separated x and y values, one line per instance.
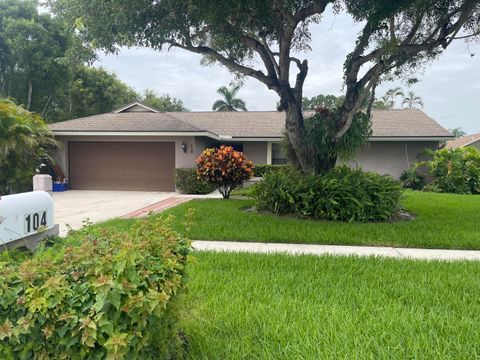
34	221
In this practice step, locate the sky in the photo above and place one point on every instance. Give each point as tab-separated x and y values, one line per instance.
449	86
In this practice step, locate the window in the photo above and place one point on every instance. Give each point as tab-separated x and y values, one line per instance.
236	147
278	155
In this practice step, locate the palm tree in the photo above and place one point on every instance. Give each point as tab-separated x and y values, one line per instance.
229	101
458	132
391	95
411	101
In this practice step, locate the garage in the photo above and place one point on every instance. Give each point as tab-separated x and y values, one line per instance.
141	166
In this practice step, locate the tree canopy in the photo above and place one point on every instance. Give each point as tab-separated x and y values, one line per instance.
397	37
162	103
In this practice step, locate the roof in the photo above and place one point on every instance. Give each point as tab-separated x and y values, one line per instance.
463	141
136	118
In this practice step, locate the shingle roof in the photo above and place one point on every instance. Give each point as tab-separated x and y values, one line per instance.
125	122
463	141
249	124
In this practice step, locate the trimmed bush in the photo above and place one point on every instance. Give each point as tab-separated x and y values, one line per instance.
187	182
262	169
224	167
99	294
454	170
341	194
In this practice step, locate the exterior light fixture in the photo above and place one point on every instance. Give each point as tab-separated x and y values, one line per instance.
184	147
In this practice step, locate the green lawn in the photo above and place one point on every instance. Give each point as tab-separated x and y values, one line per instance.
443	221
248	306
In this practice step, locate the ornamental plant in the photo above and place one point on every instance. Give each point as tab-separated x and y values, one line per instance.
98	294
454	170
224	167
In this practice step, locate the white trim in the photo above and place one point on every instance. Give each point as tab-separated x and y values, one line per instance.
133	133
135	104
413	138
222	137
272	139
269	153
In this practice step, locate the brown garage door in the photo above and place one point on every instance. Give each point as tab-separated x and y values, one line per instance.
121	165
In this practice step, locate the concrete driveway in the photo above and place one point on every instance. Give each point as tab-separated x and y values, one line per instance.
74	206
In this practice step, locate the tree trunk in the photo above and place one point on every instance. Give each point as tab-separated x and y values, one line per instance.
309	161
29	94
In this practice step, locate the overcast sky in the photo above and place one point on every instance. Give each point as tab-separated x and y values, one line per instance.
449	87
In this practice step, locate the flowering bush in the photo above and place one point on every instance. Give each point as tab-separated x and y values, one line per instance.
224	167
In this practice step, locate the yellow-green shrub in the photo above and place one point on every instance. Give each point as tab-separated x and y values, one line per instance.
100	294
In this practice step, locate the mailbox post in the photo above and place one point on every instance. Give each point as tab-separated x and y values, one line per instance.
25	219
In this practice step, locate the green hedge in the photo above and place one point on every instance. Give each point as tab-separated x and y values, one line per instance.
263	169
342	194
187	182
453	170
98	294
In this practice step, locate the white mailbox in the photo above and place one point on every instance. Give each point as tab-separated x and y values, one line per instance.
25	219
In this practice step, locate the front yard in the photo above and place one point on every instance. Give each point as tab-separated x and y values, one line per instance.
249	306
445	221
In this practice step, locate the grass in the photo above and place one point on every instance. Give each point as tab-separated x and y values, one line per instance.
442	221
250	306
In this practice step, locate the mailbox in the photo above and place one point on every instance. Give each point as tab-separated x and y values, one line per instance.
25	219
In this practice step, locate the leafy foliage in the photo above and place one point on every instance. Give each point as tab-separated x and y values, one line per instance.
412	179
187	182
263	169
454	170
229	101
100	293
341	194
90	91
24	139
224	167
162	103
457	132
320	131
322	101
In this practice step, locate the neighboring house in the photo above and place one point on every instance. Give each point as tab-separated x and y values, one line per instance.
467	140
138	148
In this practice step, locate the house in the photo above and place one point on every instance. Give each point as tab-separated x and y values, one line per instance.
463	141
138	148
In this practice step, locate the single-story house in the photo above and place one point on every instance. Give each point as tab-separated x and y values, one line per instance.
464	141
138	148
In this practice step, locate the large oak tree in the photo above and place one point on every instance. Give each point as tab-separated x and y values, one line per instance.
396	35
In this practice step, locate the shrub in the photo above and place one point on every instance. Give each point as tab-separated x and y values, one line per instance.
262	169
100	294
454	170
24	138
341	194
187	182
412	179
224	167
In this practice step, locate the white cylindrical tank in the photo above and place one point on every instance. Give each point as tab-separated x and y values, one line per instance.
25	214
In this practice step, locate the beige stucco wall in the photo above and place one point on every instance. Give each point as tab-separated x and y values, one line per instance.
383	157
182	159
390	157
256	151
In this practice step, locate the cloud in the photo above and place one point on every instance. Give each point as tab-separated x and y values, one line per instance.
449	86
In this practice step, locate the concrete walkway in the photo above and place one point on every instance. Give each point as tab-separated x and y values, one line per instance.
340	250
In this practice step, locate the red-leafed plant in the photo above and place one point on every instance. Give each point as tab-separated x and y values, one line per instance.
224	167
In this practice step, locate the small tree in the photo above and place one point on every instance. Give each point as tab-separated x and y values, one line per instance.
24	139
224	167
